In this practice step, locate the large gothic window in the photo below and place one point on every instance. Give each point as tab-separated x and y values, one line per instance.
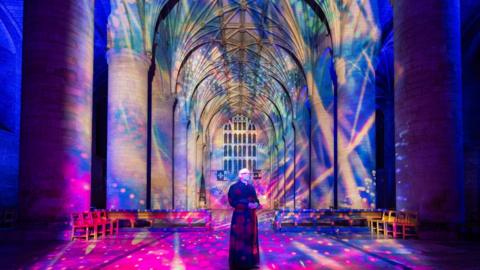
244	153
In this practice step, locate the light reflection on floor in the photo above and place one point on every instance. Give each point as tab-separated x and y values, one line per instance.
326	248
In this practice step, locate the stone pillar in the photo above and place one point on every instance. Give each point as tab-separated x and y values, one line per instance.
198	171
428	123
281	173
127	129
289	167
275	178
355	129
162	151
302	164
320	85
191	164
180	157
11	35
56	120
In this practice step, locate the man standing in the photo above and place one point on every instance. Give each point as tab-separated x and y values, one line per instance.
244	251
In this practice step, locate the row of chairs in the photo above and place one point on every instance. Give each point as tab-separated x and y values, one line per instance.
396	224
92	224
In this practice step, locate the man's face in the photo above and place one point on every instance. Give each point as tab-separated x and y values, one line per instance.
245	175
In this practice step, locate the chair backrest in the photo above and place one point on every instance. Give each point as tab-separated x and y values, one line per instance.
87	216
384	215
103	214
391	216
401	217
96	215
76	218
411	217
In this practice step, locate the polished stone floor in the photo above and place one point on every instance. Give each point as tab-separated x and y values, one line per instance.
321	248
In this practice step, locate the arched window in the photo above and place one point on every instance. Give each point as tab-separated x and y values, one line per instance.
239	139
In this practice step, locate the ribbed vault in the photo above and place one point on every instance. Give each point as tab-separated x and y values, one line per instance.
238	57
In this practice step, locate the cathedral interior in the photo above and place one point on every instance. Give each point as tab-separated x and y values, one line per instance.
153	106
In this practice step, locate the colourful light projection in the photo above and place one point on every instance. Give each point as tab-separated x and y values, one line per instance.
300	72
354	49
329	248
130	30
127	129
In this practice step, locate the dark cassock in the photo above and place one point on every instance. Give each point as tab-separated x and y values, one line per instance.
244	252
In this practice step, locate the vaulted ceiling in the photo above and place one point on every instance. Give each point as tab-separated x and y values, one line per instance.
227	57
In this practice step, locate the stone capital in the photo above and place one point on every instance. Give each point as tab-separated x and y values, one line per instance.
128	55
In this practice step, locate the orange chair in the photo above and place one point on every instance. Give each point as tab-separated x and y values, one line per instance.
405	225
381	225
372	222
393	225
410	225
112	223
79	225
100	223
96	224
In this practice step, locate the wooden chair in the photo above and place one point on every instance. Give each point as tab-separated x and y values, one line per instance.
377	224
381	225
410	226
79	225
100	223
96	224
372	223
405	225
393	225
112	224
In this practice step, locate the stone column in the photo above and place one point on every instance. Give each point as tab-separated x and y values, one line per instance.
180	157
320	85
355	129
11	35
198	171
428	123
289	167
162	155
191	164
127	129
302	164
56	119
